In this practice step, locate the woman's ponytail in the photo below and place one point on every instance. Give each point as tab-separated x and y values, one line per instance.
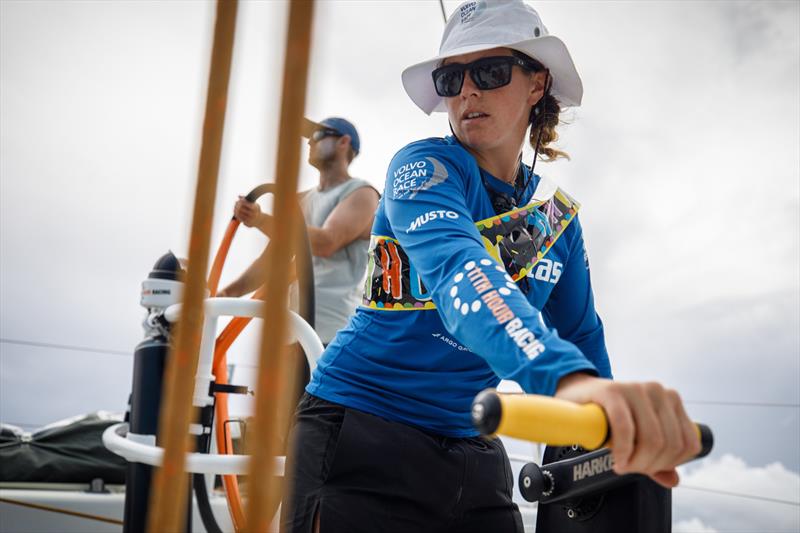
544	119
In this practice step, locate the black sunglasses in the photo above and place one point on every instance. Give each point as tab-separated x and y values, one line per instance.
487	73
318	135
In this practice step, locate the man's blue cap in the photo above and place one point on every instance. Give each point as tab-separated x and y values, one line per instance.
343	126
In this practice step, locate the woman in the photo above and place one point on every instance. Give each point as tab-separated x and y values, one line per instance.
477	272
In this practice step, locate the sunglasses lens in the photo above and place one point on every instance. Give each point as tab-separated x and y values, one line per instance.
448	80
487	73
318	135
491	74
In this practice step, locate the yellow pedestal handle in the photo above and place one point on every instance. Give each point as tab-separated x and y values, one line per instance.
550	420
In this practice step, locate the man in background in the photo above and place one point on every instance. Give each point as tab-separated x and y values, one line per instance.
338	213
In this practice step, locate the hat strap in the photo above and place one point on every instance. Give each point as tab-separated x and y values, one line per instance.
535	112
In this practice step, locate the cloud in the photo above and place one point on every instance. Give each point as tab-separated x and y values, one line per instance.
687	165
723	512
692	526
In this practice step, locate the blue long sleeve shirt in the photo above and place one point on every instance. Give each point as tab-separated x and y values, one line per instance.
458	297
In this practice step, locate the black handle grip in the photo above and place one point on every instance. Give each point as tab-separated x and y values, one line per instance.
260	191
706	440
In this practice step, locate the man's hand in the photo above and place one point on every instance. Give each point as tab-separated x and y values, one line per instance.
650	430
249	213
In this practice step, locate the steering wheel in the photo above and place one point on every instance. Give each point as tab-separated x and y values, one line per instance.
305	276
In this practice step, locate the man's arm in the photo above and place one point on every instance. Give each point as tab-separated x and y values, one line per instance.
350	220
250	280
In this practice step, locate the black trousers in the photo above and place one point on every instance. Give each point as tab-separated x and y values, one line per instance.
362	473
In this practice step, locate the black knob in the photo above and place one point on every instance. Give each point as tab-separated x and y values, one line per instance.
532	482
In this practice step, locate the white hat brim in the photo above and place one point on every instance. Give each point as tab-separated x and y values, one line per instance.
548	50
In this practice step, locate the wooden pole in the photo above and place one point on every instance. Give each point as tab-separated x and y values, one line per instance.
167	509
276	379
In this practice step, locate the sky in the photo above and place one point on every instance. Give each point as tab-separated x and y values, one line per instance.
684	156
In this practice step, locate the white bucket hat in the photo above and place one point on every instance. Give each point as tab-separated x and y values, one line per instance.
485	24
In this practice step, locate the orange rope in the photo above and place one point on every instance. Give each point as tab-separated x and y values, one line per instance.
40	507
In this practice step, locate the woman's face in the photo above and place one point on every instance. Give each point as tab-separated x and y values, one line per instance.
494	118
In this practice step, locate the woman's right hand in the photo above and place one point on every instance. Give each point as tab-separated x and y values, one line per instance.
651	433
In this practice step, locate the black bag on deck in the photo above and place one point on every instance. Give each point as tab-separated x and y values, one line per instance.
68	452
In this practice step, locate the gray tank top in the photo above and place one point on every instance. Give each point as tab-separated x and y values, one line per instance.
338	279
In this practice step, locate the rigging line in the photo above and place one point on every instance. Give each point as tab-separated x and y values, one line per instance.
64	347
745	404
739	495
444	15
695	402
63	511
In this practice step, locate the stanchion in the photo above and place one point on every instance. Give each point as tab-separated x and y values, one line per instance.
168	497
276	375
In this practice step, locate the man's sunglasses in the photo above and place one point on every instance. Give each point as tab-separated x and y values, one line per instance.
320	134
487	73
